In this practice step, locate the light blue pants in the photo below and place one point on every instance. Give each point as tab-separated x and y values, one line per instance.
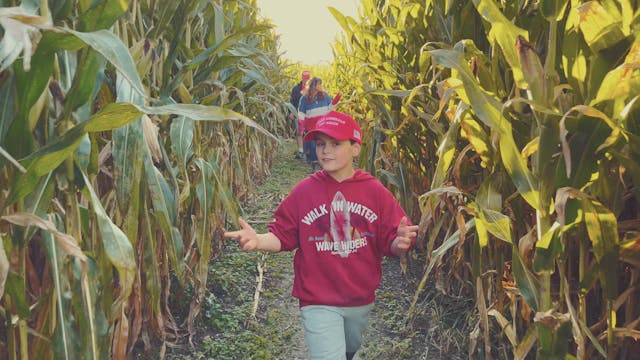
331	332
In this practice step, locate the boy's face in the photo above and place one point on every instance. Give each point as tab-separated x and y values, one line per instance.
336	156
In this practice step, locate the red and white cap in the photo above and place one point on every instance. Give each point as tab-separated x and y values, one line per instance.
337	125
306	74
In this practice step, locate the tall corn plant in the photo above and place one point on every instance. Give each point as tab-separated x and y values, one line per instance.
100	212
225	62
537	146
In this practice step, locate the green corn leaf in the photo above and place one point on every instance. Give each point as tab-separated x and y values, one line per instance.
14	289
494	222
602	227
83	153
127	148
447	244
205	195
84	80
504	33
7	107
526	344
49	157
600	27
488	109
479	139
574	62
547	250
224	44
486	208
447	148
622	82
552	10
165	212
113	116
588	136
181	133
102	14
64	335
114	50
29	88
526	281
117	246
39	201
342	20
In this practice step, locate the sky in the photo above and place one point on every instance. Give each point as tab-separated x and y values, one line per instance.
306	27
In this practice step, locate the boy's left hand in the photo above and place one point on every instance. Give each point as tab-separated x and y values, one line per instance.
405	234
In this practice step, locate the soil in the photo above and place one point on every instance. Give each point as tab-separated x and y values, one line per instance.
249	312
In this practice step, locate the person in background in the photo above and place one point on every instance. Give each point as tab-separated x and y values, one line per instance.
314	103
341	222
296	94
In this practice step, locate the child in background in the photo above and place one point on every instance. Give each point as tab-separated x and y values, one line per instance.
296	93
314	103
341	222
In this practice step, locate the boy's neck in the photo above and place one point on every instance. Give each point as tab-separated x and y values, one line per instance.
342	174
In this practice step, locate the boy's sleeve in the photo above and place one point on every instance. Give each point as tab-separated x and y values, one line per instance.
285	225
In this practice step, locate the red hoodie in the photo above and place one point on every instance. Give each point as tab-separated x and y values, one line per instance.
341	231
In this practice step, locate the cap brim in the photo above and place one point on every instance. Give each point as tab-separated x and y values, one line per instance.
311	135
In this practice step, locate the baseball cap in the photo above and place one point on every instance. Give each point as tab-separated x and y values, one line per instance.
338	125
306	74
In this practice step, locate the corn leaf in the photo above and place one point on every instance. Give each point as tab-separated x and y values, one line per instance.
164	206
601	226
117	246
623	81
102	14
503	33
526	281
601	28
488	110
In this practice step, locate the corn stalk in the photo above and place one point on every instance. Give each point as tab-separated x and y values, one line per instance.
122	129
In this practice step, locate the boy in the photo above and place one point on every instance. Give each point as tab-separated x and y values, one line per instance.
341	222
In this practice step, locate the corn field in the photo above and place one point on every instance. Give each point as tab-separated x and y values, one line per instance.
125	147
511	129
131	130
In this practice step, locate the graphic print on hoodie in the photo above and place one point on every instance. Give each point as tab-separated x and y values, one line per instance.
340	232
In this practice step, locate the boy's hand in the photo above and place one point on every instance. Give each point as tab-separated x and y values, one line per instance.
405	234
247	237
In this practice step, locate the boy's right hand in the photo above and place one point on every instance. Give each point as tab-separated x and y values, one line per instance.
247	237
